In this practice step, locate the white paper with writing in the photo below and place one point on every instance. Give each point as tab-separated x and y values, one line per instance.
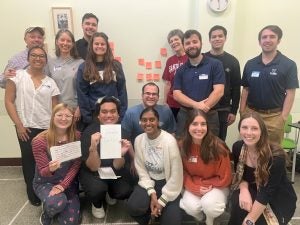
107	173
110	141
66	152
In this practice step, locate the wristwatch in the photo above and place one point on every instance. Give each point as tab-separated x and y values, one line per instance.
249	222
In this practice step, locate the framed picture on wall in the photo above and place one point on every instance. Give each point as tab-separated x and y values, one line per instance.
62	18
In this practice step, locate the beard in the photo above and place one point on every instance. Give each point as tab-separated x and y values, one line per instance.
193	53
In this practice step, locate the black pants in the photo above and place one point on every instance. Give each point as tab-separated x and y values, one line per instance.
28	164
237	214
223	125
95	188
138	206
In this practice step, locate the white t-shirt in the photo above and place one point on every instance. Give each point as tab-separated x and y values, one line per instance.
34	106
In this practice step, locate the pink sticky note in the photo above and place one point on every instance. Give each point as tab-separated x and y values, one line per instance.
112	45
141	62
163	52
158	64
156	77
140	76
148	65
148	76
118	58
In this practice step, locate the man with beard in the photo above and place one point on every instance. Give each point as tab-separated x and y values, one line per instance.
199	83
89	27
269	83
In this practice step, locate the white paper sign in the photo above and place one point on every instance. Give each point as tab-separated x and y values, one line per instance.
66	152
110	144
107	173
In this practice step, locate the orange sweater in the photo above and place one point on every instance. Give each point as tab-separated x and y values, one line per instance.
196	173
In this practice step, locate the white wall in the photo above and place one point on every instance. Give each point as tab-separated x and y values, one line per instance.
139	29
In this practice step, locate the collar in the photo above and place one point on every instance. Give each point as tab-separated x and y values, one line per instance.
274	61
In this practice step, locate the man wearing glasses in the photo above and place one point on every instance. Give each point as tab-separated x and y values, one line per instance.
150	96
34	36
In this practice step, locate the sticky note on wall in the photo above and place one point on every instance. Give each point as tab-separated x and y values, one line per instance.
157	64
163	52
148	65
141	61
148	76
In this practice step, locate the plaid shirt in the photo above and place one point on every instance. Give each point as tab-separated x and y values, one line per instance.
17	62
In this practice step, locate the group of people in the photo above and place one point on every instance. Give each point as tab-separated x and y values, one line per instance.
173	156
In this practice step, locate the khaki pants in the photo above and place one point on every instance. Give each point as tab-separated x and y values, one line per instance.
274	123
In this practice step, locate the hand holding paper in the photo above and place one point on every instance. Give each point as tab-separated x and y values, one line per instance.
126	145
110	146
65	152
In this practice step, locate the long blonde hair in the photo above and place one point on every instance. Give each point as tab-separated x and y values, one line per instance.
51	135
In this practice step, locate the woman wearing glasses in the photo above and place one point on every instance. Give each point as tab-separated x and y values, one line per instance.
29	98
54	182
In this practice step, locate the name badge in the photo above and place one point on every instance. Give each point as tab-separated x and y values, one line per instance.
203	77
255	74
57	68
193	159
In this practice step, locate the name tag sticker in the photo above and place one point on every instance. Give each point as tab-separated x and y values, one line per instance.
193	159
203	77
57	68
255	74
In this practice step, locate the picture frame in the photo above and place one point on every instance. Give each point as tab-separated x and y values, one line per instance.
62	18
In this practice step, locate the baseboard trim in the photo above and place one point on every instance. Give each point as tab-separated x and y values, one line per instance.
10	162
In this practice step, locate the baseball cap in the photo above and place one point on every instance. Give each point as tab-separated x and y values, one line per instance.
31	29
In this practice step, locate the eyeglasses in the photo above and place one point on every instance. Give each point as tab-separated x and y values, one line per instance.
67	116
35	56
150	94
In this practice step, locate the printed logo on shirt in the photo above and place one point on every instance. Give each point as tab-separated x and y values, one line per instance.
273	72
227	70
255	74
174	67
203	77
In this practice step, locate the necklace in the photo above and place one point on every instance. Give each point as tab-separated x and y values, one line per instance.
252	158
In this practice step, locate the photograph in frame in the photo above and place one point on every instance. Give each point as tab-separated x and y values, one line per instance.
62	18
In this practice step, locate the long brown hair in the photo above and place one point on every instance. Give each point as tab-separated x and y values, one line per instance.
51	135
211	146
264	148
90	72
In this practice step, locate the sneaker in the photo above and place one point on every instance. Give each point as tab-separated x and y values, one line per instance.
45	219
109	200
98	212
